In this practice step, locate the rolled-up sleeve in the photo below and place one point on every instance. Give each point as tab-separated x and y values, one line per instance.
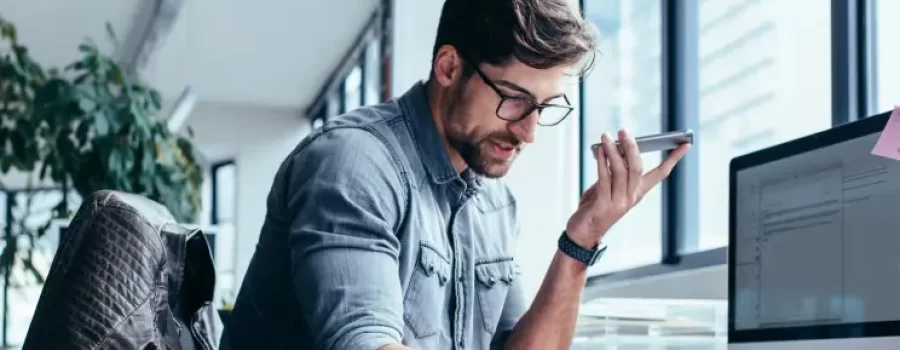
346	197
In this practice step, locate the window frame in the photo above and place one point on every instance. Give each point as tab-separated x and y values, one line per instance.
377	29
853	97
214	188
214	220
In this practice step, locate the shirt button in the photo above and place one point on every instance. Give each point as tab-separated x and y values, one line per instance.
461	344
461	279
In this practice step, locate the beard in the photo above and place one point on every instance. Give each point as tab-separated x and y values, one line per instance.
474	147
476	152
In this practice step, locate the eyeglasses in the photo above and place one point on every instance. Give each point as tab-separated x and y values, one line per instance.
515	108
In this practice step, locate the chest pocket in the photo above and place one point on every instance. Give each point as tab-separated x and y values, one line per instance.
494	278
426	292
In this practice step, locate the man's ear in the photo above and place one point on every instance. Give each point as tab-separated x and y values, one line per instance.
447	66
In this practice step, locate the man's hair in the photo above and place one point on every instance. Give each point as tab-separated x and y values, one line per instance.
539	33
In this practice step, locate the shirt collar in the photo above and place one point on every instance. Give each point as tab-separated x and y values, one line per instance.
428	140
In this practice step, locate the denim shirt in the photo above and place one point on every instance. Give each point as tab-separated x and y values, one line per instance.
372	237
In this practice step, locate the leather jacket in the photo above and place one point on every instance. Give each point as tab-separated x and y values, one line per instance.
126	276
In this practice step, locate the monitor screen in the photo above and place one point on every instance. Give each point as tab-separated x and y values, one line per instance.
817	239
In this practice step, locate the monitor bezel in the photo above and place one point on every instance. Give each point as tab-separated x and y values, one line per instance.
835	135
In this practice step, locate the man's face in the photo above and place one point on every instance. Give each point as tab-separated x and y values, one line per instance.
485	141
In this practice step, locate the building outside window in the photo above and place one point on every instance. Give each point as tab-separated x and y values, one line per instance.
624	91
887	54
765	78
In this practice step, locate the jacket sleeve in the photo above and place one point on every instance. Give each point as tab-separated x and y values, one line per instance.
346	197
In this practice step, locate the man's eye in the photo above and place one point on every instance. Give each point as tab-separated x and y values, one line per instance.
517	95
558	101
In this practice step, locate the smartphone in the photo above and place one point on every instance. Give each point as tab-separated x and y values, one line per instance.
659	142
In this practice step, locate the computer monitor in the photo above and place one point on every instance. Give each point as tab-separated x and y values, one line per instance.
814	254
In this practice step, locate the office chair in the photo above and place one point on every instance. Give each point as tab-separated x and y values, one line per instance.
126	276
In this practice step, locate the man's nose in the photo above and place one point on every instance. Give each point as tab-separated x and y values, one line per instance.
524	129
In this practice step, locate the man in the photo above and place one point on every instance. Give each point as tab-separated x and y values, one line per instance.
388	227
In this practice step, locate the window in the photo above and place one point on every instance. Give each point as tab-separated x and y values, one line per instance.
224	186
318	123
361	77
744	75
887	53
624	91
24	288
333	105
761	77
319	117
764	78
372	72
353	93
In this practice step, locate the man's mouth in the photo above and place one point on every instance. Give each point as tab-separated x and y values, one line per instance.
504	150
505	146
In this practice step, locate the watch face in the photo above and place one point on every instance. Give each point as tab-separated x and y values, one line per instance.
598	254
584	255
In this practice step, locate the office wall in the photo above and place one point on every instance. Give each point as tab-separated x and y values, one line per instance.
544	178
257	138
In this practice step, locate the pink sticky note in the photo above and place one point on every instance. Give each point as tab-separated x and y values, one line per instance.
889	143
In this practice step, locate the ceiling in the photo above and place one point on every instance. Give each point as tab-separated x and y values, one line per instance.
276	53
246	61
52	29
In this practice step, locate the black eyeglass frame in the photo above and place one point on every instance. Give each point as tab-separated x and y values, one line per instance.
534	105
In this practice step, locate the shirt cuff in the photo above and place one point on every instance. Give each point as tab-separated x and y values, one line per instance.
370	341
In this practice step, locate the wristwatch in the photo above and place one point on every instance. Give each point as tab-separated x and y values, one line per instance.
577	252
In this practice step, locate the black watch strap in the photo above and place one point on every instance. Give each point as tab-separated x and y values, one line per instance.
577	252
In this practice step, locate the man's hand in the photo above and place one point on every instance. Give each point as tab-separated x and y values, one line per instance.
621	184
395	347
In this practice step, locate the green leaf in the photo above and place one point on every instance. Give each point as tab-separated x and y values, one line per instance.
42	231
127	159
17	141
81	133
8	31
141	118
28	264
61	211
44	168
155	99
101	123
86	48
8	257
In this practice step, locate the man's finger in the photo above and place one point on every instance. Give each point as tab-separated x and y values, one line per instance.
588	195
633	161
655	176
619	173
603	178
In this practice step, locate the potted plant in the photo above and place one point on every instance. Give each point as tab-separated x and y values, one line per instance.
87	127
